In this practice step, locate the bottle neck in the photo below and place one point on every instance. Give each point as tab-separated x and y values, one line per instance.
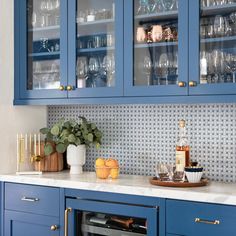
182	132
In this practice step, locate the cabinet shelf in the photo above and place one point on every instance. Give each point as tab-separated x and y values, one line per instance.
223	41
213	10
96	22
44	54
161	44
90	50
48	28
158	16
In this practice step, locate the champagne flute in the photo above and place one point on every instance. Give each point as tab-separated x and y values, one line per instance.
147	67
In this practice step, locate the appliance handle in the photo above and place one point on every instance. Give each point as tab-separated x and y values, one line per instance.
67	211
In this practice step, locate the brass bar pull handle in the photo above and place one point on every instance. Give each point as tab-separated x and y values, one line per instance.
67	211
181	84
29	199
214	222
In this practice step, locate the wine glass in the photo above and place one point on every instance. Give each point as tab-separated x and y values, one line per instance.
219	26
107	66
82	72
44	45
43	6
93	69
147	67
34	19
164	65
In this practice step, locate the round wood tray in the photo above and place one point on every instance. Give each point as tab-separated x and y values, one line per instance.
156	181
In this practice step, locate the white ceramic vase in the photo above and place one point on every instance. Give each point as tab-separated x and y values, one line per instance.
76	158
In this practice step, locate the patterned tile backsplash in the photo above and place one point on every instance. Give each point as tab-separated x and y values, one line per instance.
140	136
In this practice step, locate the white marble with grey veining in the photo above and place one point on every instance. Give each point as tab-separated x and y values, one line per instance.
215	192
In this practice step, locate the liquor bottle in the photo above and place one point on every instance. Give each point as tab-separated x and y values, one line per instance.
182	146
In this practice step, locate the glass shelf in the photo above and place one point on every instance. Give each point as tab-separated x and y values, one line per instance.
158	16
89	50
96	22
44	54
221	9
161	44
54	27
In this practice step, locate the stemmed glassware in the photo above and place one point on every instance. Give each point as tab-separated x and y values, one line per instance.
147	67
82	72
168	5
164	65
108	66
144	7
94	68
219	26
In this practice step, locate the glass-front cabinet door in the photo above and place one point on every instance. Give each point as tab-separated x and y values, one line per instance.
212	40
95	48
42	49
156	47
97	218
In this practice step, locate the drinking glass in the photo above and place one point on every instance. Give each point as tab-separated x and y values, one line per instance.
107	66
227	61
164	172
44	47
164	65
168	5
221	2
233	66
228	28
144	7
43	6
219	26
210	31
94	68
156	6
147	67
82	72
34	19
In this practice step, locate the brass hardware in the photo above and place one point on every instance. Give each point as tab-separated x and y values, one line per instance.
69	88
192	84
67	211
181	84
61	88
54	228
215	222
29	199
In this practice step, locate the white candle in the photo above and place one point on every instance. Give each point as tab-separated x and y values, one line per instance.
26	144
17	152
35	151
30	144
39	143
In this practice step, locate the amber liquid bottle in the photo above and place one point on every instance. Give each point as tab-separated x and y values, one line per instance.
182	146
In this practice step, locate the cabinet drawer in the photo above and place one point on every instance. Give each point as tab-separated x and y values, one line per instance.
32	199
194	219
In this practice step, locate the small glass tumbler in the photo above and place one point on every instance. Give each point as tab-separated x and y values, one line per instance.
165	172
179	174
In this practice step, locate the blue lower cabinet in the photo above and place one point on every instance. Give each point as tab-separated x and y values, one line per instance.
24	224
195	219
108	218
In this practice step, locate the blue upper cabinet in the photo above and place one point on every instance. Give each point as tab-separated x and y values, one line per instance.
40	48
95	49
212	53
156	44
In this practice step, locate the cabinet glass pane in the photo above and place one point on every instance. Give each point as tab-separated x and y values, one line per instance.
217	41
43	18
155	42
95	65
96	224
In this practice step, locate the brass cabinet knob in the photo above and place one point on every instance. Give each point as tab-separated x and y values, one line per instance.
54	228
192	83
181	84
69	88
61	88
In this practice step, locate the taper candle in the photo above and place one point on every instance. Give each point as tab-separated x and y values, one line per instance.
39	143
35	151
17	153
30	144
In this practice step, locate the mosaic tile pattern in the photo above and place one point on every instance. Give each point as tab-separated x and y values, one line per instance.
140	136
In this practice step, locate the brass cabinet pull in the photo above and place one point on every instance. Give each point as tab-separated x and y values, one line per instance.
61	88
181	84
67	211
192	83
69	88
29	199
54	228
214	222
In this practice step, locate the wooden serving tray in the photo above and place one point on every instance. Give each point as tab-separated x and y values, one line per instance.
156	181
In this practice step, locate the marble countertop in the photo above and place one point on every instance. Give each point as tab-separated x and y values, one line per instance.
221	193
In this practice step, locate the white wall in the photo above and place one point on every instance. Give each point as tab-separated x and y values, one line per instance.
13	119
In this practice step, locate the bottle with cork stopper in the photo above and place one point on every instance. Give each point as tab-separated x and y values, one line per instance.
182	147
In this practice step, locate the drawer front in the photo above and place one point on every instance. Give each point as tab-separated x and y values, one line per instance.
194	219
32	199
